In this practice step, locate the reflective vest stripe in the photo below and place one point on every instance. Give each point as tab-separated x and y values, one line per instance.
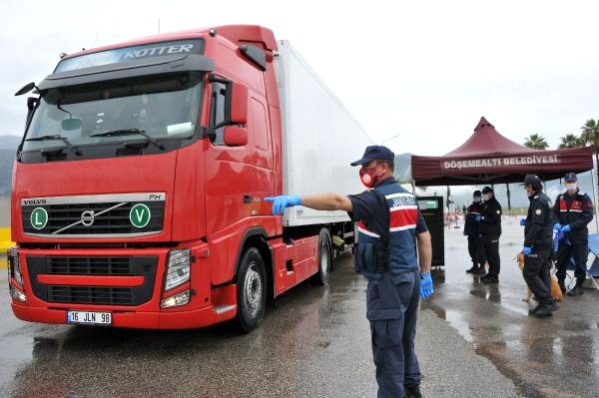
406	227
403	218
367	232
398	195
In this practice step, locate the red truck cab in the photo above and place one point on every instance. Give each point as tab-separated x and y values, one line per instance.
139	184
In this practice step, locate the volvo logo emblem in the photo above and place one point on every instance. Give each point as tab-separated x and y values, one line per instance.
87	218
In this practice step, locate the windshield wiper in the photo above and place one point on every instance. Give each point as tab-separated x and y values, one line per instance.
57	137
143	133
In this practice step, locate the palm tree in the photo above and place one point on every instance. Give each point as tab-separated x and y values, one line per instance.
571	141
536	141
590	135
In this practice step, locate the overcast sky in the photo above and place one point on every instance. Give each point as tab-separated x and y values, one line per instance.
425	71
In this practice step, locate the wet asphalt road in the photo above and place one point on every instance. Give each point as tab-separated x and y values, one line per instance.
473	340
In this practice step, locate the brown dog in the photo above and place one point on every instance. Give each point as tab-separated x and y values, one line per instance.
556	292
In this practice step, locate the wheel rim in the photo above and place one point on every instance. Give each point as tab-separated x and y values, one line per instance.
253	291
324	261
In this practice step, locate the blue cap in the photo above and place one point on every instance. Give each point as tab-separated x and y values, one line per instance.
375	152
570	177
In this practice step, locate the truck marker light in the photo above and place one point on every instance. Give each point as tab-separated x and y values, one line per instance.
176	300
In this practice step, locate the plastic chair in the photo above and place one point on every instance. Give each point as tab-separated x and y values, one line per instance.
593	270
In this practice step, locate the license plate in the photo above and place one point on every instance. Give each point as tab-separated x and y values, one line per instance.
89	318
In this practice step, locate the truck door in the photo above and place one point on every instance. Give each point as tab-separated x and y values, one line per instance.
237	177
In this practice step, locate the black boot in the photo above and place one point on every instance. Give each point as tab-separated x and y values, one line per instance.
473	269
412	391
577	290
480	270
546	309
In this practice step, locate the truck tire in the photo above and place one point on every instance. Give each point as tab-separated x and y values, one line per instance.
325	261
251	291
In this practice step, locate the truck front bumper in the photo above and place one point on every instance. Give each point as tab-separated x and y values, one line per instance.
135	319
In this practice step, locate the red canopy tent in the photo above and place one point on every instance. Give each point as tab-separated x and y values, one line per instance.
489	157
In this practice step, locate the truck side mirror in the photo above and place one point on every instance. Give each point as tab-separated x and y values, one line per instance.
239	103
235	136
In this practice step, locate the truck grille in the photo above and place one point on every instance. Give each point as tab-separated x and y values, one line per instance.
89	265
97	266
94	216
91	295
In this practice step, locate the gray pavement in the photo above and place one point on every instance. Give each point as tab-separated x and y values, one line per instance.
553	357
473	341
315	343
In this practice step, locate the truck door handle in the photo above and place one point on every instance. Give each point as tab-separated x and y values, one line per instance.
247	199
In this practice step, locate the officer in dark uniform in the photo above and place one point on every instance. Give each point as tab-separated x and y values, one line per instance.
471	231
490	229
390	230
573	211
538	236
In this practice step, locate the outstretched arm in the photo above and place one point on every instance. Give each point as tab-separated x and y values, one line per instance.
327	201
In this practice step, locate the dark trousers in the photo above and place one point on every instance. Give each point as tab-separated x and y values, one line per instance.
580	252
537	274
474	249
393	343
491	246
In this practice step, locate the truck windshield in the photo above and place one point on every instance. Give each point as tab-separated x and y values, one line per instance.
165	107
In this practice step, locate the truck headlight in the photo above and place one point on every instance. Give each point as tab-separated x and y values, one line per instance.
178	268
14	265
17	295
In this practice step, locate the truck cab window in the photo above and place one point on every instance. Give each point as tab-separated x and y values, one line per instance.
218	112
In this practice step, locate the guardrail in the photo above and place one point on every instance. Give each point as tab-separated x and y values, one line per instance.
5	244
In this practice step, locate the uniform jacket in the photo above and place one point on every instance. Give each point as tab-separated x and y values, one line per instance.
490	221
538	232
399	209
471	225
574	210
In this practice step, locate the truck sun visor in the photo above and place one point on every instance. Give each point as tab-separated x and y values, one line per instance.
143	67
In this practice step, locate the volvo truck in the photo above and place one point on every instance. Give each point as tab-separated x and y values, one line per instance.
139	185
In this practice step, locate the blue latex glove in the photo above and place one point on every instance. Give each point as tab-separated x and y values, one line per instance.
279	203
477	218
527	251
566	228
522	222
557	227
426	285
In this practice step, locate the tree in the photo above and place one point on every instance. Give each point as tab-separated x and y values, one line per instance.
571	141
536	141
590	135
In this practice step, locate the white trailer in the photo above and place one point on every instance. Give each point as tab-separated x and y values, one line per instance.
320	139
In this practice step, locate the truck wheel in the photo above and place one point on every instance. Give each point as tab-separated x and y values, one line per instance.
251	291
325	261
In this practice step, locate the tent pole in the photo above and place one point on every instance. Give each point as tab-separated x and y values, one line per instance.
594	197
509	198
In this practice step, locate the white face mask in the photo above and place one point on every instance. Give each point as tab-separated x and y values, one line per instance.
571	186
485	197
476	199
